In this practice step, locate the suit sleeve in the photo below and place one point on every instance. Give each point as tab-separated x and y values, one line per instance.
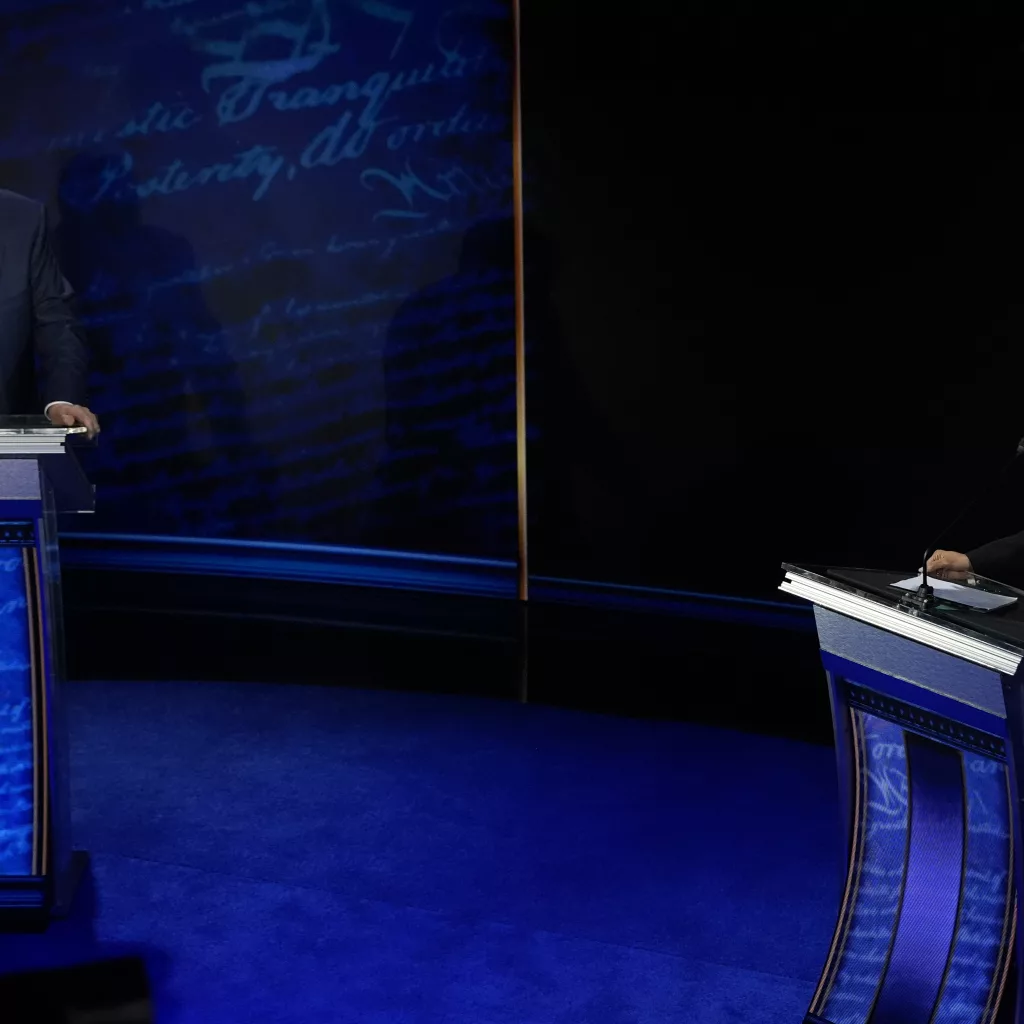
1001	559
60	351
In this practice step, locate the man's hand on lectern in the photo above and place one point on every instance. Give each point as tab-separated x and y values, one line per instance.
64	414
949	565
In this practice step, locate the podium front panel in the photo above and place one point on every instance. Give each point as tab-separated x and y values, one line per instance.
928	716
970	685
35	848
926	927
25	736
22	700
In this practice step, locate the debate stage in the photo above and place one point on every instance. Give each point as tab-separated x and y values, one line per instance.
295	853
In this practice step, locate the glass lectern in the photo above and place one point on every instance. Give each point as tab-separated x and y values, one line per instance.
40	477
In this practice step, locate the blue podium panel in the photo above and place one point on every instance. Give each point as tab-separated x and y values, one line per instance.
34	816
21	797
928	712
39	477
26	741
982	952
926	926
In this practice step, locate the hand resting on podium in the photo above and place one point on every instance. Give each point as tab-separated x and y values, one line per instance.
949	565
67	414
1001	559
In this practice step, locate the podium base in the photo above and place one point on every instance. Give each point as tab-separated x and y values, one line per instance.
67	885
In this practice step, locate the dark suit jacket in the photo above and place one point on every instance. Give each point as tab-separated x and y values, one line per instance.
42	355
1001	559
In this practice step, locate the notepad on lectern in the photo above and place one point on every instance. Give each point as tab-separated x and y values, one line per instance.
957	593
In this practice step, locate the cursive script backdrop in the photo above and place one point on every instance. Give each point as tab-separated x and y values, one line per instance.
287	223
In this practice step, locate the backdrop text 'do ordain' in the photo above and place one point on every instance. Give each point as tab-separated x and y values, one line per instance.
288	223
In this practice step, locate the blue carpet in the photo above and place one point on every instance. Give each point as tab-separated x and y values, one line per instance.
297	854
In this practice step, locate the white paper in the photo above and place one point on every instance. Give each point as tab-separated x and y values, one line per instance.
970	596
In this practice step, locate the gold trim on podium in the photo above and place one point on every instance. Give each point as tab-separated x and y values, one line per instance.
999	979
828	975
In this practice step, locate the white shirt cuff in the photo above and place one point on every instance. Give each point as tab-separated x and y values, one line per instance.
50	405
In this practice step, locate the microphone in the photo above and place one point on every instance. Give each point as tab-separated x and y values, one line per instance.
923	599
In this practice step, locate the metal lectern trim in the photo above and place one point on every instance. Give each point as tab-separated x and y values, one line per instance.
988	654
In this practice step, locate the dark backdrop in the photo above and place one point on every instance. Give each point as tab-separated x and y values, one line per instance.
776	295
774	281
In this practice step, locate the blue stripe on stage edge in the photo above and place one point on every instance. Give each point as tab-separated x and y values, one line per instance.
366	567
406	570
662	601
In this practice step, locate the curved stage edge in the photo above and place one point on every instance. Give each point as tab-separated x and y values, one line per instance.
406	570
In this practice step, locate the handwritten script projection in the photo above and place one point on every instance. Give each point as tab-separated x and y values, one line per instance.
288	223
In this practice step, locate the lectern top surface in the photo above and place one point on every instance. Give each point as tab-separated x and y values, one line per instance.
1004	628
12	426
